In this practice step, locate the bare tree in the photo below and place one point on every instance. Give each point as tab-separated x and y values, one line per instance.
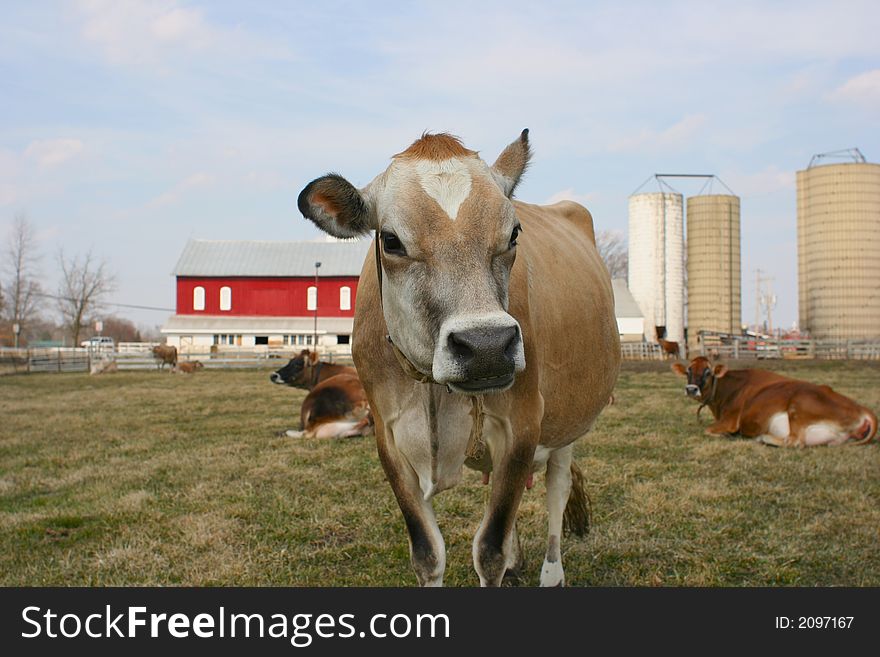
84	284
22	290
613	249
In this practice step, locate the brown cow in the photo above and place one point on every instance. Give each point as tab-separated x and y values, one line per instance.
775	409
670	347
520	330
165	354
335	408
190	367
306	371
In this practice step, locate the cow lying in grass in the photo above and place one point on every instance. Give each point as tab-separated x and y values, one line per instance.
336	406
189	367
775	409
306	371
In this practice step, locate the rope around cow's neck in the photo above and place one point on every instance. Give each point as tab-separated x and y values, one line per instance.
476	447
711	396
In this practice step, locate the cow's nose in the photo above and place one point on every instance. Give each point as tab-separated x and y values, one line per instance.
484	350
275	377
691	390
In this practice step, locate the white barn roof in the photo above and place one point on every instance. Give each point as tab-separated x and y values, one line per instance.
624	304
270	258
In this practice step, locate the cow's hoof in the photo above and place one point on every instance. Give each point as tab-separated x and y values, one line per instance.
290	433
552	574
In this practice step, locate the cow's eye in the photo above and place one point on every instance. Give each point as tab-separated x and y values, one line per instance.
392	245
513	235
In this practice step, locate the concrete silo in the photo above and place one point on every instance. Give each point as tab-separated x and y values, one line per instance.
838	209
656	261
713	265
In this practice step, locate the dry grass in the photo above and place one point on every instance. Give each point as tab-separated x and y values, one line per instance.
144	478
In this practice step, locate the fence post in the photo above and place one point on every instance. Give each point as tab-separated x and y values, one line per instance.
736	349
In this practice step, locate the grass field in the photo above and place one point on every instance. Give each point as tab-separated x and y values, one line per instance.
143	478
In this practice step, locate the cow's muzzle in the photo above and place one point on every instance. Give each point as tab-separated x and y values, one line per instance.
480	357
692	390
275	377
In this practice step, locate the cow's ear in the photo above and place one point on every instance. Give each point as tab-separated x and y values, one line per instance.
337	207
678	368
512	163
719	371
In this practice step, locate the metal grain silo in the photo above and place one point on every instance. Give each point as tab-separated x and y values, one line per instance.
713	265
656	261
838	209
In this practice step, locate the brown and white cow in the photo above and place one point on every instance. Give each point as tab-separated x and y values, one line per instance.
305	370
775	409
519	328
165	354
336	406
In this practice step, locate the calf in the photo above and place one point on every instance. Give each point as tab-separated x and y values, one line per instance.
187	368
774	409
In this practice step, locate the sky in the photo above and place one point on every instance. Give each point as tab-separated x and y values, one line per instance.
129	127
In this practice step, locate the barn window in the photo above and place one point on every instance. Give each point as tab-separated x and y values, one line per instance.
345	298
225	298
261	339
199	298
312	298
343	339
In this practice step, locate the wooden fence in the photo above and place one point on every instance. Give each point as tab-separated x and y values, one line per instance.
749	348
62	359
13	361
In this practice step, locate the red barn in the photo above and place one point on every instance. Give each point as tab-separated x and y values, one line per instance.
244	293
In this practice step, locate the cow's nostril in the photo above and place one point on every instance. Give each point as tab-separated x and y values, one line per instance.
510	345
459	348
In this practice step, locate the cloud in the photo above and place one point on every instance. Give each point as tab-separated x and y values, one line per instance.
149	33
570	195
767	181
675	136
174	194
863	89
52	152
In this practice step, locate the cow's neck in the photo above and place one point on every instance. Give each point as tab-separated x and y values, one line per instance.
723	392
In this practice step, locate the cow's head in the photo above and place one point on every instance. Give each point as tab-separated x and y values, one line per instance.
297	372
447	233
699	375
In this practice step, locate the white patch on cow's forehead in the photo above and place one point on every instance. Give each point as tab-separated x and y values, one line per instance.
448	182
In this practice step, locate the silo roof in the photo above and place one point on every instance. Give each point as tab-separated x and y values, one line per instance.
271	258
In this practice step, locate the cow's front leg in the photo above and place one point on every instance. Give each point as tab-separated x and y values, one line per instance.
558	490
426	547
493	549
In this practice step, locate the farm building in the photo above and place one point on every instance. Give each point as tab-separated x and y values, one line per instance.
255	294
838	229
263	294
630	321
656	262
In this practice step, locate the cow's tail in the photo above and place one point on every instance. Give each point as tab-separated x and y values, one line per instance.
579	510
867	433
